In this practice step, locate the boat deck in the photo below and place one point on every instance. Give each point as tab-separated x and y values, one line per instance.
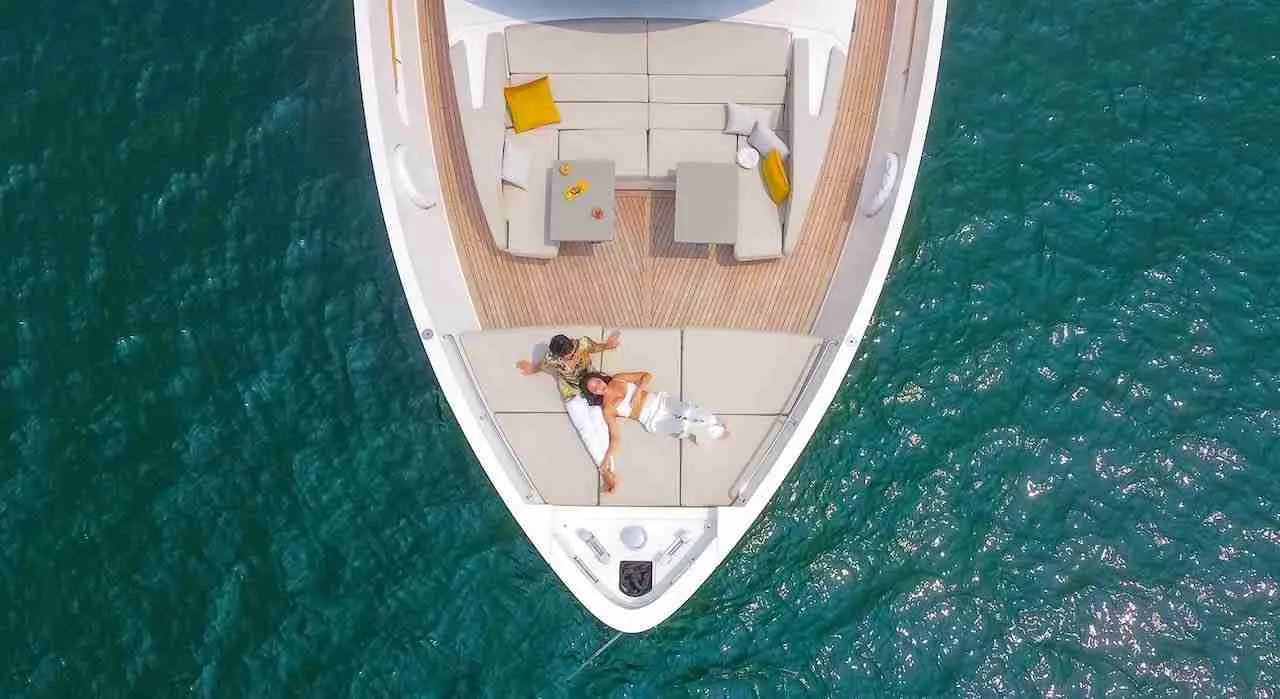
643	278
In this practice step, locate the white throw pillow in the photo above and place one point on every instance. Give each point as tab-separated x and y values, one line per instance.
517	162
740	120
763	139
748	158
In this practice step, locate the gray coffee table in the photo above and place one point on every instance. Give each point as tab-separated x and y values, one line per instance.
571	220
706	203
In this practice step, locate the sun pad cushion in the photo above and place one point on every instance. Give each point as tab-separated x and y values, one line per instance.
492	355
654	350
715	361
709	469
552	454
648	468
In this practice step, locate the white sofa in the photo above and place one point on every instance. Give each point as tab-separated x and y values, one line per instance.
647	95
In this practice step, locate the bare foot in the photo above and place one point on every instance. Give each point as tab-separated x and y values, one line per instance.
610	479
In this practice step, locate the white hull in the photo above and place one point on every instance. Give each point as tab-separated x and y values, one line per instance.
410	194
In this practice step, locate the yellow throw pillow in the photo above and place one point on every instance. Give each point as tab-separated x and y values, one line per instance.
775	177
531	104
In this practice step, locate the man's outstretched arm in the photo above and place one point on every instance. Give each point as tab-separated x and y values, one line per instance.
611	342
528	368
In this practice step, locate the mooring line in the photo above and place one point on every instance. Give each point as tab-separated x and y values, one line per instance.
594	655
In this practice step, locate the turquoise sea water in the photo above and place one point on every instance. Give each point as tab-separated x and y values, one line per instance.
226	470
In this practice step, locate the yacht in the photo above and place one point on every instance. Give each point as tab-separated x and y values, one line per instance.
722	182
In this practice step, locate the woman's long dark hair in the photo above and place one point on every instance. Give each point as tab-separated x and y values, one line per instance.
592	399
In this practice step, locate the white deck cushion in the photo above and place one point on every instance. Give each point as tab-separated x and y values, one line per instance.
648	469
670	148
709	469
492	356
578	46
526	209
655	351
588	87
759	219
744	372
553	456
716	48
627	149
744	89
603	115
703	117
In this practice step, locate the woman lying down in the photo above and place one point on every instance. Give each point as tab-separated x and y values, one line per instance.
627	395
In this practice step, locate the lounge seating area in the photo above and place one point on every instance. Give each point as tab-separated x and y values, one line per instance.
649	96
751	380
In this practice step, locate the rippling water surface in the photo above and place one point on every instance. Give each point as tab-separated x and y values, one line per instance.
226	469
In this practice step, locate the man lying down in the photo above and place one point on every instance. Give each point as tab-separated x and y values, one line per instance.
595	401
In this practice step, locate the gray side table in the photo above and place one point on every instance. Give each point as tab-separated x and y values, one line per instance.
571	220
706	203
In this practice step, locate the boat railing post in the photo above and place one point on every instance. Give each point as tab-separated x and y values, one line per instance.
746	483
530	491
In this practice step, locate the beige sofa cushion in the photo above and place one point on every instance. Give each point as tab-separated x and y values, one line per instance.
648	469
492	355
656	351
553	456
759	220
588	87
526	209
632	116
702	117
709	469
678	47
626	148
578	46
745	372
670	148
743	89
